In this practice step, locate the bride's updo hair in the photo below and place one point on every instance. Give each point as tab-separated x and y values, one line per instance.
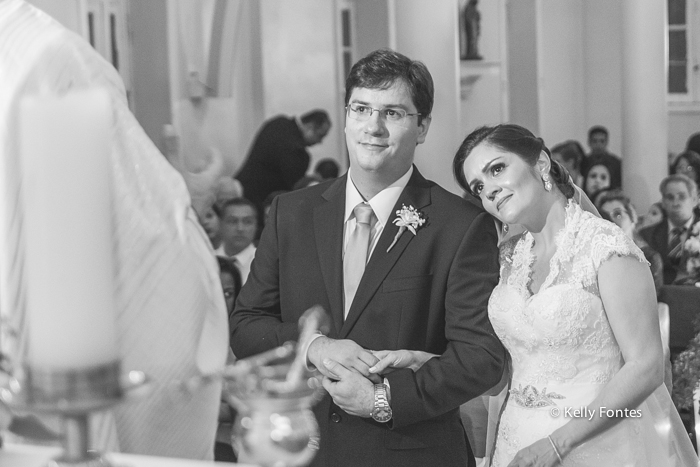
514	139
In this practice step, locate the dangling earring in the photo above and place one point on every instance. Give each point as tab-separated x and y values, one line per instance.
547	183
505	229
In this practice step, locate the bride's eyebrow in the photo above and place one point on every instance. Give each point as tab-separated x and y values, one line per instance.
484	170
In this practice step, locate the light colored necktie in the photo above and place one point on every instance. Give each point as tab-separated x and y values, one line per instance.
356	251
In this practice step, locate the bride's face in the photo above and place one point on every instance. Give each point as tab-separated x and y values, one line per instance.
507	185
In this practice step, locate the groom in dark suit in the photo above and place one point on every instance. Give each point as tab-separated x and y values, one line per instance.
399	263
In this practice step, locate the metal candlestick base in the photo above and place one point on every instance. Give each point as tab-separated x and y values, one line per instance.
73	395
275	426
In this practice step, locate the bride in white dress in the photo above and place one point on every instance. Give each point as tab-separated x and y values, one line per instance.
576	308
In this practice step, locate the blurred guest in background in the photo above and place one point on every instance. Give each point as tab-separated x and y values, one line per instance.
693	143
239	225
654	215
570	154
278	157
211	223
227	188
327	169
598	139
679	198
617	208
687	163
231	281
597	175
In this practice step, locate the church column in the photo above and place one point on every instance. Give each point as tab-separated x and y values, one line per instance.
644	114
409	20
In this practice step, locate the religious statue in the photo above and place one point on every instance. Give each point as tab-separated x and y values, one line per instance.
472	30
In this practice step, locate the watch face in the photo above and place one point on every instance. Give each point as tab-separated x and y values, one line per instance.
382	415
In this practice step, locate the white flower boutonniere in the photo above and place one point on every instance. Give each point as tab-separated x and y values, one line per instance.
408	218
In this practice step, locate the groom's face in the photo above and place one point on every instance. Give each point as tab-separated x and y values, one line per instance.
379	146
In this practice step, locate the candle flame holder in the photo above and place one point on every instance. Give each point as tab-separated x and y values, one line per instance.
73	395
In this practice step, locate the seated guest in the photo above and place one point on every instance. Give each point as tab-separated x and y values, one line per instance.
598	138
687	163
693	143
679	198
617	208
327	169
570	154
598	174
599	195
231	283
654	215
227	188
210	220
239	225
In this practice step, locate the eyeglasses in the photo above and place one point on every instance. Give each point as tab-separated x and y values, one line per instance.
395	116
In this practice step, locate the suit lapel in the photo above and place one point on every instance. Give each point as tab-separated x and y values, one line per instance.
328	229
416	194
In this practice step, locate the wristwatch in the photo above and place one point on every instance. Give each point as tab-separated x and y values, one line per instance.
382	411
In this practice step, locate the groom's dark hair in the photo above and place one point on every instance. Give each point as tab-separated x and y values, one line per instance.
384	67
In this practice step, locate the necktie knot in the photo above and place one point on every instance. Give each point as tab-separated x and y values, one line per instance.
363	213
678	230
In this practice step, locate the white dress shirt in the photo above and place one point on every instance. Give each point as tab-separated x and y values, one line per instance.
243	259
382	204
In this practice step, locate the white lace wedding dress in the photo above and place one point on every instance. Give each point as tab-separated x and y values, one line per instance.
564	352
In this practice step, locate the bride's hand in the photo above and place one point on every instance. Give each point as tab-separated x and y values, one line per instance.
538	454
394	359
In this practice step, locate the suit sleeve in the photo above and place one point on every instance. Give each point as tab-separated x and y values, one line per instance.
474	359
256	323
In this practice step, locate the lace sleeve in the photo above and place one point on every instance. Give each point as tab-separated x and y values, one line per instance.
608	240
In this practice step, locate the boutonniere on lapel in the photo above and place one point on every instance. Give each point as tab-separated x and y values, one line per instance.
408	218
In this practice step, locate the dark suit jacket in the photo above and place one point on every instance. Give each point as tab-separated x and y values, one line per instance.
657	238
276	161
428	293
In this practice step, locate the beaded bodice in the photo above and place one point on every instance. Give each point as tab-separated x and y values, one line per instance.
561	333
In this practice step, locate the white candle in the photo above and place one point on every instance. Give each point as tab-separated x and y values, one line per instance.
65	163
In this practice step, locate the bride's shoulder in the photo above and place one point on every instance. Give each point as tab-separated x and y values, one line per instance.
593	226
603	239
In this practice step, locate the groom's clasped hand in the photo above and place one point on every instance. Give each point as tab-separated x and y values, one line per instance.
345	368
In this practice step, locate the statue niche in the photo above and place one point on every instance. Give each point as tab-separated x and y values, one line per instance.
471	29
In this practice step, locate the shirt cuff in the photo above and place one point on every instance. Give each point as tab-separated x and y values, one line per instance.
305	351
